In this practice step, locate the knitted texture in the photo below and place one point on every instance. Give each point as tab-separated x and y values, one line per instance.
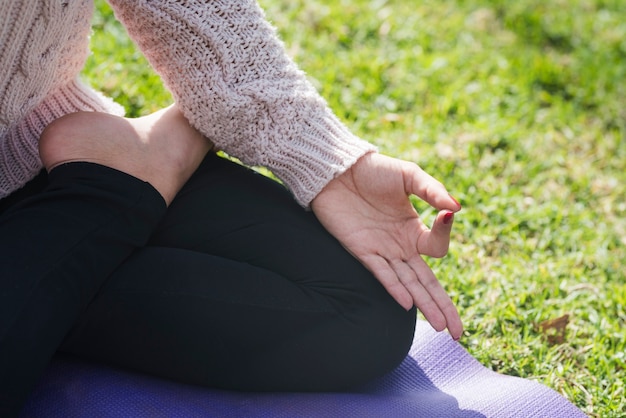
231	77
44	46
222	60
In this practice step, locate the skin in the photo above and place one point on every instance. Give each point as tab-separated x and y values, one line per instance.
141	147
366	208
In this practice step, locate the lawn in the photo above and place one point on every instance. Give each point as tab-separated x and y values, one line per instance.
520	109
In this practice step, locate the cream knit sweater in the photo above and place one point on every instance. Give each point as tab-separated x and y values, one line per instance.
221	60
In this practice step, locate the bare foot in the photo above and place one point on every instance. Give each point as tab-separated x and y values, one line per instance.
161	148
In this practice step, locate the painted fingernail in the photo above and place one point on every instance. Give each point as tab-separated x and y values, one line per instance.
447	218
455	201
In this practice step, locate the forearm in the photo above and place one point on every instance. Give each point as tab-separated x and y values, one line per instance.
232	79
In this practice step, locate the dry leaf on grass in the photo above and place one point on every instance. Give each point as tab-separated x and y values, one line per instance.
554	329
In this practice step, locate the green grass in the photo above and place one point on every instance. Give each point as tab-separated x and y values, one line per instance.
520	109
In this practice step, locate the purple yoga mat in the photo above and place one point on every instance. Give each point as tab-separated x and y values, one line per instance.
437	379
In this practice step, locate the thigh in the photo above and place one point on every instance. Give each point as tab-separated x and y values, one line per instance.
241	288
213	321
230	211
57	247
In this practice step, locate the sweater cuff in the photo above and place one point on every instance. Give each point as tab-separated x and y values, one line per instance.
313	158
19	153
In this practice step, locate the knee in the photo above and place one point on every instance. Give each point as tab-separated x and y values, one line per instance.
376	340
389	332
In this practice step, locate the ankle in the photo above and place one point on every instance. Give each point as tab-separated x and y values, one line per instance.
161	149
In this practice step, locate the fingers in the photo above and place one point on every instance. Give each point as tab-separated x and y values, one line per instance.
436	241
427	188
433	301
389	279
420	296
414	283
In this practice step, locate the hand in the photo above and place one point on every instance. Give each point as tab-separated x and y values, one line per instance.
367	209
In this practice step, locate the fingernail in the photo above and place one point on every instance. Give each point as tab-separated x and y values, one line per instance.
447	218
455	201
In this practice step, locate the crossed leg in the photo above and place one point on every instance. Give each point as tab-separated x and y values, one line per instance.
240	288
233	285
104	198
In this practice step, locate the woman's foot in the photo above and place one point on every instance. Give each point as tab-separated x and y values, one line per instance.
161	148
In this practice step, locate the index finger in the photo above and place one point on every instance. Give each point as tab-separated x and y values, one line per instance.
435	242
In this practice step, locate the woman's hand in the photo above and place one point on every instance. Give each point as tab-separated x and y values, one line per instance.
367	209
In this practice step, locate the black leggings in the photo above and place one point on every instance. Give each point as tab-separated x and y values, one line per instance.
233	286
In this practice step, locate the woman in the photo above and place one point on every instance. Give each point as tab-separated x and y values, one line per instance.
128	241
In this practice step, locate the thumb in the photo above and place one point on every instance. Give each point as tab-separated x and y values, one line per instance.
427	188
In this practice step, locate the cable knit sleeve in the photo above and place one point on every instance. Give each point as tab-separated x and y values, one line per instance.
232	78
